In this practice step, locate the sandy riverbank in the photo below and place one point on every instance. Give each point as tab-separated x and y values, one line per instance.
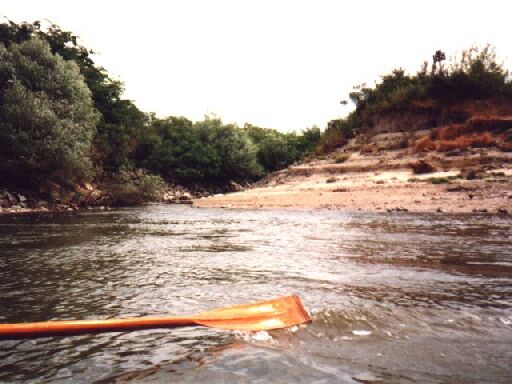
353	187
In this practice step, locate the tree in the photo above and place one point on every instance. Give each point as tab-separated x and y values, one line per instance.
236	151
121	122
47	118
438	57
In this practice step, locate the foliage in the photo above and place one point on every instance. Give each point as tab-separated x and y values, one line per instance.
210	151
47	119
276	150
151	186
120	120
62	114
125	190
340	158
475	75
235	150
173	148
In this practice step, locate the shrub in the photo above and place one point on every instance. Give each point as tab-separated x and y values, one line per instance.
124	195
331	141
151	186
274	153
341	157
126	191
47	118
422	167
476	75
439	180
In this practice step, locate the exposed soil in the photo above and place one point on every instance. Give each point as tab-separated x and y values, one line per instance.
478	180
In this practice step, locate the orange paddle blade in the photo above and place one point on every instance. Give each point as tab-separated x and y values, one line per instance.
283	312
264	315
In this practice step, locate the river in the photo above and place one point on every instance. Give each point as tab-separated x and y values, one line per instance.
395	298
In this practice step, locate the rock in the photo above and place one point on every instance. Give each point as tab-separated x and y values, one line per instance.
398	209
458	188
439	210
21	198
502	210
480	210
331	180
379	182
235	187
422	167
9	197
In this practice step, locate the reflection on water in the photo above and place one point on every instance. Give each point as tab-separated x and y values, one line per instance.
395	297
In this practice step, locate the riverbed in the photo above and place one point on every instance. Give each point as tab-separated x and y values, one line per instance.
394	297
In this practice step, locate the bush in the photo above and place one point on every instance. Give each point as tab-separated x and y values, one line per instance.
130	192
47	118
125	195
274	153
476	75
151	186
341	157
440	180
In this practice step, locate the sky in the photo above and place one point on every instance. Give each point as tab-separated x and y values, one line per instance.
283	64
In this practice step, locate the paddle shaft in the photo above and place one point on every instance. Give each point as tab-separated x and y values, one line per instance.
75	327
277	313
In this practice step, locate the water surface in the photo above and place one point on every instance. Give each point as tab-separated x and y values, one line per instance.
400	298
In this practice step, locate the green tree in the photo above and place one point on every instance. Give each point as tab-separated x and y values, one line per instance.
236	152
47	118
121	122
275	153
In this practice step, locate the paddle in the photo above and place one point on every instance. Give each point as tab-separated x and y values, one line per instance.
283	312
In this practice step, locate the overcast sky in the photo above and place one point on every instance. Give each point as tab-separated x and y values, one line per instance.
279	64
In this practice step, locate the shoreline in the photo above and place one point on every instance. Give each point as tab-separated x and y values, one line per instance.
388	191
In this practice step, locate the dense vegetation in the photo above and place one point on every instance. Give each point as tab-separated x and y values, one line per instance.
47	117
63	119
476	75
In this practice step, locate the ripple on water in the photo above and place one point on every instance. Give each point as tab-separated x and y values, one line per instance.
395	298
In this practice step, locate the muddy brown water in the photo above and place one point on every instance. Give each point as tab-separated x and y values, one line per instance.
395	298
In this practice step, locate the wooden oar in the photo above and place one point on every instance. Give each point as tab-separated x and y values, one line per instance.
283	312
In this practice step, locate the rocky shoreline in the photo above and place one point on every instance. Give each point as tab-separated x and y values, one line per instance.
91	197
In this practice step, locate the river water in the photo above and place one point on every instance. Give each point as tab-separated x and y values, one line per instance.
395	298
